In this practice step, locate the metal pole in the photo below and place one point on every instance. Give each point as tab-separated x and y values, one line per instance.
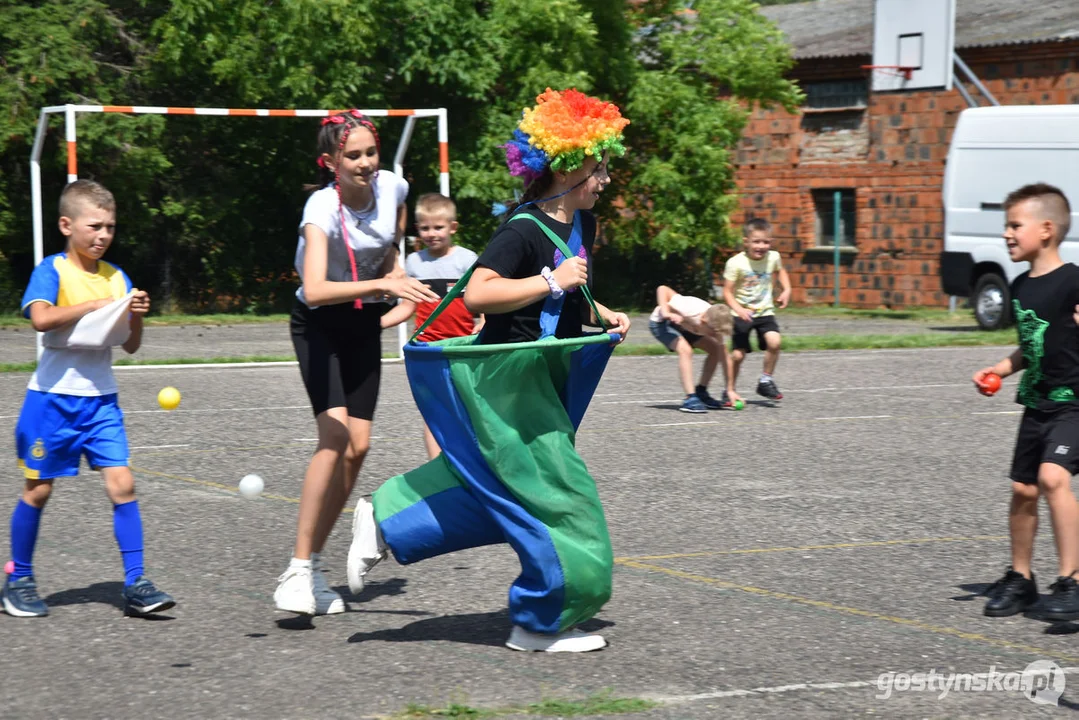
35	201
837	202
974	79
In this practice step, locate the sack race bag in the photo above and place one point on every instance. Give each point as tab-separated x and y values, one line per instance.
506	417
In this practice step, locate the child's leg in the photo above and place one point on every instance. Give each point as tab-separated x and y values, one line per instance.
685	364
359	432
1023	525
126	520
1054	482
737	355
433	450
714	353
772	343
25	521
322	470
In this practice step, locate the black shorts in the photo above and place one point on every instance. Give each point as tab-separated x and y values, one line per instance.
340	355
742	329
1046	437
667	333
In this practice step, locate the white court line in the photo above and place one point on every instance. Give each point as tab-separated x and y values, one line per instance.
999	412
699	422
157	447
777	689
854	417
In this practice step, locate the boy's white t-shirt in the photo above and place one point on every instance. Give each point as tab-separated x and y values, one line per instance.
751	281
370	234
685	305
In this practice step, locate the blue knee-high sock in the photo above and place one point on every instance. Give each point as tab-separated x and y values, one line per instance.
127	526
24	524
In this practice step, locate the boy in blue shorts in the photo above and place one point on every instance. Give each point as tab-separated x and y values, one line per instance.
71	406
439	265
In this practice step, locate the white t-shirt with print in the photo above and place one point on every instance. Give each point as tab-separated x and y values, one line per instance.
751	281
370	234
687	306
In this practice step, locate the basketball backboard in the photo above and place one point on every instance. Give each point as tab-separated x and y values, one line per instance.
913	43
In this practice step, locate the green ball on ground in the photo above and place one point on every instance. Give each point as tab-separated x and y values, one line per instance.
738	405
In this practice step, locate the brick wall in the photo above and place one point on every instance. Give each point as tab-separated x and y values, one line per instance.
892	154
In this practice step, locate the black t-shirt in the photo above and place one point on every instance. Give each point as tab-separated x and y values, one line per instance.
520	249
1048	336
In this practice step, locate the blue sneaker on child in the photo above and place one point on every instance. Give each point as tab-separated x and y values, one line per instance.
693	404
21	598
142	598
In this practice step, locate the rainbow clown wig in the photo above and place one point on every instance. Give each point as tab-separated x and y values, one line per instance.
560	131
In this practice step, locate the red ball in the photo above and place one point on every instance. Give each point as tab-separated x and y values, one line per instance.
991	383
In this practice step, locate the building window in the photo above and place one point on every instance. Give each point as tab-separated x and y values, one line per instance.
836	94
824	202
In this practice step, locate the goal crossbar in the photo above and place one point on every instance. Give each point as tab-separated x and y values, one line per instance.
70	112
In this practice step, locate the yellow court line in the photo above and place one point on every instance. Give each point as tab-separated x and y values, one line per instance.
798	548
217	486
843	609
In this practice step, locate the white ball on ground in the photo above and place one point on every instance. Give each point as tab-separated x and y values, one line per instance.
251	486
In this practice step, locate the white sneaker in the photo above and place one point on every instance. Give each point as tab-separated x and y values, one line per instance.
295	591
568	641
327	600
367	547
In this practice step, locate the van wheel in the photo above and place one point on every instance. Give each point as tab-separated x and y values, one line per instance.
992	302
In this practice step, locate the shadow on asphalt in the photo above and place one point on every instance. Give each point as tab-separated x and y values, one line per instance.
976	591
106	593
491	628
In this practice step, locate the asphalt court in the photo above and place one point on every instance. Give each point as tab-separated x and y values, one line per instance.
773	561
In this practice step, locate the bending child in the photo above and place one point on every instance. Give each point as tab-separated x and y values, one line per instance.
72	407
683	322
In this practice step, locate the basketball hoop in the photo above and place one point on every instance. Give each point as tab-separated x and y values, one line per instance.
904	71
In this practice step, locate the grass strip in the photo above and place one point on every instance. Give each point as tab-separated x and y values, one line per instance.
603	703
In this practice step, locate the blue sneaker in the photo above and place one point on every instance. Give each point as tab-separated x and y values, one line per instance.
693	404
710	402
21	598
142	598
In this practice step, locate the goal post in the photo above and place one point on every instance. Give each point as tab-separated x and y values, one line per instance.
70	113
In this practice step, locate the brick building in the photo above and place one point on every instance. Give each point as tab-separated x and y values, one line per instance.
885	152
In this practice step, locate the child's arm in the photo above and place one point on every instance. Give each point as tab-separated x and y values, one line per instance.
45	317
390	267
1008	366
785	283
319	291
399	314
663	299
140	305
733	304
489	292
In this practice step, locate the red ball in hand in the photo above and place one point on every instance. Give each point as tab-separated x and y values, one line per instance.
990	384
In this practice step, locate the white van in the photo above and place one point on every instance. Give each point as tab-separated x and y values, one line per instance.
996	150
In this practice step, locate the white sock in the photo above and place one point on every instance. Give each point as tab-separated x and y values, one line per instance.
299	563
765	377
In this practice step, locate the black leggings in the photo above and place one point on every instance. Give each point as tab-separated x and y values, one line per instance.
340	354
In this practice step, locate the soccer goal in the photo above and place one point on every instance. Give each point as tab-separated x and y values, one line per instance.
70	112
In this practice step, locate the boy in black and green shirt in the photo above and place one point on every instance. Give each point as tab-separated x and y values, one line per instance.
1047	449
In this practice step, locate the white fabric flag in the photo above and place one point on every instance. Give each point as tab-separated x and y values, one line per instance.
102	328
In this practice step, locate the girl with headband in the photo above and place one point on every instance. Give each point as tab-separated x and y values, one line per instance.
347	262
536	496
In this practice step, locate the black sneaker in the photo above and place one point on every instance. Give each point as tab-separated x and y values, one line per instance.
710	402
768	389
1063	600
1011	595
142	598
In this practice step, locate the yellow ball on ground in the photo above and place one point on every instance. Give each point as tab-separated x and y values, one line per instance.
169	398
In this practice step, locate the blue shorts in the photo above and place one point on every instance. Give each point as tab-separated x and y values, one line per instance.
55	431
668	333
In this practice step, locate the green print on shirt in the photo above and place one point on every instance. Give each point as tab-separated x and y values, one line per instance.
1032	342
